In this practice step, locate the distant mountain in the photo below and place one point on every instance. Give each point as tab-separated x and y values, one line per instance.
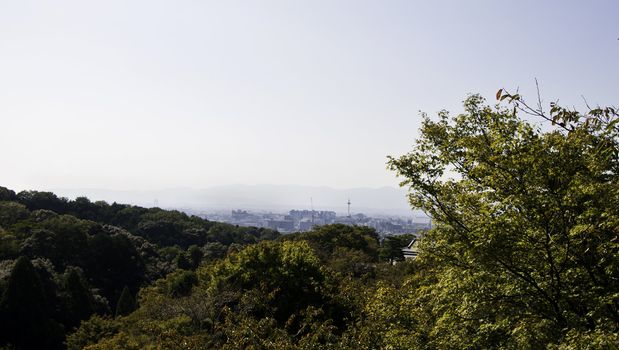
279	198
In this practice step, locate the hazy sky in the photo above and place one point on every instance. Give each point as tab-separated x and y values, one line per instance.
159	94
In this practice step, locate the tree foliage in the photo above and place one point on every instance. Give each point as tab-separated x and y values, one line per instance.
526	248
25	313
126	303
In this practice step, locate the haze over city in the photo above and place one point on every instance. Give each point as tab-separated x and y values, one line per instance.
147	95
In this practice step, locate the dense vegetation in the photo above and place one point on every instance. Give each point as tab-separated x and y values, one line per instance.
62	261
524	254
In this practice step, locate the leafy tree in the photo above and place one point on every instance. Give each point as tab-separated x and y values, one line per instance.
12	212
181	284
112	263
9	248
126	303
351	262
182	262
326	239
43	200
214	250
288	274
526	244
91	331
7	195
83	208
195	256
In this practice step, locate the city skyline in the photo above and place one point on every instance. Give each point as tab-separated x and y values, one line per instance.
277	198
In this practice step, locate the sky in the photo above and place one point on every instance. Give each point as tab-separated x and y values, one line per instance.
161	94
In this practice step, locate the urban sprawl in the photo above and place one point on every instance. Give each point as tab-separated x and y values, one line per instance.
305	220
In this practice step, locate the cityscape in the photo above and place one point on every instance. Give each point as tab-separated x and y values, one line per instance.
305	220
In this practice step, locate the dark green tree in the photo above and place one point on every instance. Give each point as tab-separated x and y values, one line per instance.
182	262
43	200
79	298
113	262
7	195
214	250
12	212
24	311
126	303
195	256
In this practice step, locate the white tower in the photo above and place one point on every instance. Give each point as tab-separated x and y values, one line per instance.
348	207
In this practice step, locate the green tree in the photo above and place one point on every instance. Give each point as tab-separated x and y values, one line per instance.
126	303
7	195
79	298
91	331
181	283
9	247
195	256
326	239
214	250
391	248
24	311
525	247
287	276
182	262
43	200
12	212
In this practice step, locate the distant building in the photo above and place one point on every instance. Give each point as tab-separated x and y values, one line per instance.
306	225
239	215
281	225
410	252
326	217
306	220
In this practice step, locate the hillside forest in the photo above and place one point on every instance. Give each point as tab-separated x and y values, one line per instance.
523	254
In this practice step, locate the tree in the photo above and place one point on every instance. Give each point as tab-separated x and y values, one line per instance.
24	311
287	276
526	244
181	283
126	303
11	212
214	250
43	200
91	331
195	256
325	239
182	262
80	301
7	195
112	263
391	248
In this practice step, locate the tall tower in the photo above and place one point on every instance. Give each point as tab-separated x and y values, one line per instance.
348	207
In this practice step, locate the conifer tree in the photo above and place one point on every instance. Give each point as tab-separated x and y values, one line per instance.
79	298
24	310
126	303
